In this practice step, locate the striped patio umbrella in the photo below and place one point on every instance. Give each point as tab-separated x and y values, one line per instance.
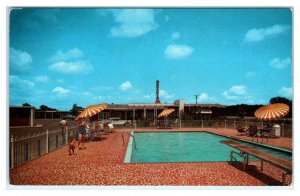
272	111
165	112
91	111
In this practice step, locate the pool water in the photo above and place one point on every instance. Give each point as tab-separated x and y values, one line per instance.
185	147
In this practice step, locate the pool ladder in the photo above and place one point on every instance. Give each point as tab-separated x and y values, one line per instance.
256	135
130	135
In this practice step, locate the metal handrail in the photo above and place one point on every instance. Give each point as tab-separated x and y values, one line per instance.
255	135
130	135
262	138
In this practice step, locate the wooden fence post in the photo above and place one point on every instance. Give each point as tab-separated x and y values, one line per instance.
12	152
282	130
67	134
47	141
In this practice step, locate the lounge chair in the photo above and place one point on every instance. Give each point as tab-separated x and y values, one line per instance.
241	130
252	130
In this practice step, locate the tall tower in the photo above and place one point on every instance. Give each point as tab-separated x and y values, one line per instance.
157	92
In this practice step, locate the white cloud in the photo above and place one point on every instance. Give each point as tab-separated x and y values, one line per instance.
280	63
20	61
86	93
71	61
255	35
17	82
61	91
98	98
228	96
125	86
73	53
286	91
204	97
176	35
60	80
165	94
175	51
39	18
133	22
250	74
20	89
42	79
71	67
148	97
48	15
241	89
235	91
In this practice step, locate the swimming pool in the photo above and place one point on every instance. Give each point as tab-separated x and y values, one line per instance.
156	147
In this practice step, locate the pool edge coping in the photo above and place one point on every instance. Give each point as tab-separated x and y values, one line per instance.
128	154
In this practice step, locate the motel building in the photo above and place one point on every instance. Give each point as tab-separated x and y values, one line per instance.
25	115
144	111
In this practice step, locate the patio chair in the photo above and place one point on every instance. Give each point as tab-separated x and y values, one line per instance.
241	130
105	127
97	135
108	127
252	130
111	128
173	124
267	131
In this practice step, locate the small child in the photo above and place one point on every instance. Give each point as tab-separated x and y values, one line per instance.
72	146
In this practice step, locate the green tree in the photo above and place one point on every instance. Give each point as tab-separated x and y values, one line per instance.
75	109
46	108
280	100
285	101
26	104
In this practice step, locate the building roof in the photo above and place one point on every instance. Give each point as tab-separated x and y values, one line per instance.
205	105
138	106
29	107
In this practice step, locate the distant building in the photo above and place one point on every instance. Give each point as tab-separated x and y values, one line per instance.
150	111
146	111
51	114
21	116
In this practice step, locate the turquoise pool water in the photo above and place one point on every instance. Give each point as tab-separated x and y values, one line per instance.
185	147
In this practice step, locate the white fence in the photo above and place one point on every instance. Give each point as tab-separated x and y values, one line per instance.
24	148
285	125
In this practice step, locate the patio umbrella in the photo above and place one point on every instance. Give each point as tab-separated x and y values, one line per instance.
91	111
272	111
165	112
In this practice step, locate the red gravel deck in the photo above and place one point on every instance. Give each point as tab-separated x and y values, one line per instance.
101	163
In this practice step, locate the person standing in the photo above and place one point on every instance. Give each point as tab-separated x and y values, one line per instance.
63	126
82	133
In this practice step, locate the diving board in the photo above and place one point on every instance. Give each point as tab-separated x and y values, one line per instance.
245	151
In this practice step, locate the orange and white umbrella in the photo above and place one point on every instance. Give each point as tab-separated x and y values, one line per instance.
165	112
91	111
272	111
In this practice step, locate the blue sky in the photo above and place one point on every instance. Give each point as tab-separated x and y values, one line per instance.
59	57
